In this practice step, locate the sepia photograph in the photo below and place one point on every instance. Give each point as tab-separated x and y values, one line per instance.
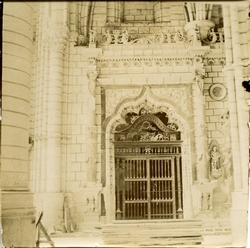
125	124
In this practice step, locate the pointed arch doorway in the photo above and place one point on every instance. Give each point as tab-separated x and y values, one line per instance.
148	168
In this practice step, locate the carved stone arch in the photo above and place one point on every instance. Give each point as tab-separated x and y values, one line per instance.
146	99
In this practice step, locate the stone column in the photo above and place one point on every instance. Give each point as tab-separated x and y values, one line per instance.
92	189
200	133
53	198
18	212
238	120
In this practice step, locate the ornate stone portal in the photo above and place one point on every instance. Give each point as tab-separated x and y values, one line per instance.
131	112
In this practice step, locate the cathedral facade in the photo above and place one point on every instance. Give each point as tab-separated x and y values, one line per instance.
120	112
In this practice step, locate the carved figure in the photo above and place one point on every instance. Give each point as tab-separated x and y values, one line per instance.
221	34
215	159
211	37
116	34
159	38
179	37
195	35
92	35
124	38
108	37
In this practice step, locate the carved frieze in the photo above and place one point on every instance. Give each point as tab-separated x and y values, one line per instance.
122	37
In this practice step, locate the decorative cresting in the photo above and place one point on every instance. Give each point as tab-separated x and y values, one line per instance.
147	127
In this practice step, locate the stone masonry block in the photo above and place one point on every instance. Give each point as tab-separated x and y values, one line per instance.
216	68
216	105
212	74
211	126
76	129
76	108
218	80
207	80
80	158
80	139
216	134
130	18
80	176
149	17
76	71
133	30
209	112
75	148
75	167
143	30
140	18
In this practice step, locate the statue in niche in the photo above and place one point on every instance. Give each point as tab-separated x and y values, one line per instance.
215	158
92	35
215	161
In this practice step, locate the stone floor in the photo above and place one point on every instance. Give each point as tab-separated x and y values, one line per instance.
76	239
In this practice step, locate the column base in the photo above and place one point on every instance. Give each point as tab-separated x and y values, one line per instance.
52	206
239	218
18	219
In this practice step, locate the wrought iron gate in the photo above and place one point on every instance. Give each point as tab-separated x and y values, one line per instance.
148	174
149	187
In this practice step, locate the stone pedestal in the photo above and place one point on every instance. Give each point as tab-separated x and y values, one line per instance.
239	218
92	45
91	206
203	199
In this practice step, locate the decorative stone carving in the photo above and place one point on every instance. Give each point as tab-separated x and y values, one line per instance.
224	119
177	95
199	74
57	39
217	91
215	162
92	36
92	75
82	40
194	32
73	36
115	96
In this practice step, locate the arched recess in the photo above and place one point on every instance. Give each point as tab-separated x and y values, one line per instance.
148	101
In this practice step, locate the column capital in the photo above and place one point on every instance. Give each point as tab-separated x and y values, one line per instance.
57	38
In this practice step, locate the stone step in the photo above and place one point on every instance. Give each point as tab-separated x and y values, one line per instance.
148	233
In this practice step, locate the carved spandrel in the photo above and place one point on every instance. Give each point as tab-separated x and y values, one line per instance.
176	95
115	96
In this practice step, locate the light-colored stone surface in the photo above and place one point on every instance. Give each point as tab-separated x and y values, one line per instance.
63	98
